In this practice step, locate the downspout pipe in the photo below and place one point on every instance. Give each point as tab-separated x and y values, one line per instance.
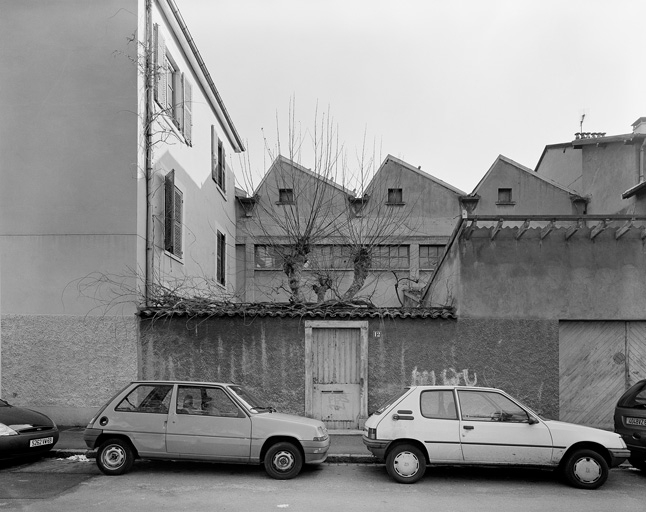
149	80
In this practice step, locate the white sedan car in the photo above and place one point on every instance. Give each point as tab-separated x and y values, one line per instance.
453	425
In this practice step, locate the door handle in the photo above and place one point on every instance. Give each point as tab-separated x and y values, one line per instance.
467	427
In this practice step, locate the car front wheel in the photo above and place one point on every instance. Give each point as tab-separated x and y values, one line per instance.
586	469
115	457
406	464
283	461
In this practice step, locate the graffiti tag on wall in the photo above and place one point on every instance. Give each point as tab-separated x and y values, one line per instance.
448	377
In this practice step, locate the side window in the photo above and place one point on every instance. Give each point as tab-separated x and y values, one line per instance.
489	406
206	401
147	398
438	404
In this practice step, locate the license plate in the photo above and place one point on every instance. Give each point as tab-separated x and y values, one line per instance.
636	421
41	442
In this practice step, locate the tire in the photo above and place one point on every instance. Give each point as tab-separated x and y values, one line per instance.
115	457
406	464
586	469
283	461
638	462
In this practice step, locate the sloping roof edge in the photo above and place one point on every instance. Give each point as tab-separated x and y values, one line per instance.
418	171
174	18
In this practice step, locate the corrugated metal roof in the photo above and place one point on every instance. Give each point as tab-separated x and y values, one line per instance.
275	310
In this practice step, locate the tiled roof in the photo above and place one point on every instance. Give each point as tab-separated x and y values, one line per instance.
323	311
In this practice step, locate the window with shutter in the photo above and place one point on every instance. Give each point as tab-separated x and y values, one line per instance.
160	63
221	269
218	172
187	125
173	207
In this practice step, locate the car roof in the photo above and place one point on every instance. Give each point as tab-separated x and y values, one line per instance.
184	382
443	386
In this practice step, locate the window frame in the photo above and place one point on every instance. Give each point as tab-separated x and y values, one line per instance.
505	196
218	161
286	196
439	417
220	258
395	196
378	255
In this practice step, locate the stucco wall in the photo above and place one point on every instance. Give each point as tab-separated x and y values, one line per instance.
268	355
66	366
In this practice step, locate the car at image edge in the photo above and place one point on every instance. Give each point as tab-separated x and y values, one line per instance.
24	432
454	425
202	421
630	422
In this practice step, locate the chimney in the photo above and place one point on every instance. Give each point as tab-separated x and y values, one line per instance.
639	126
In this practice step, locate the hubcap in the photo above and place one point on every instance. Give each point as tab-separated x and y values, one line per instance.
283	461
587	470
406	464
113	457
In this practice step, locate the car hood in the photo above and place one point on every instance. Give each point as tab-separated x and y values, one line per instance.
277	423
13	415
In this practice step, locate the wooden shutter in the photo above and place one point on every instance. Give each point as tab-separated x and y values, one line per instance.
178	223
223	163
160	67
221	258
214	155
169	211
187	125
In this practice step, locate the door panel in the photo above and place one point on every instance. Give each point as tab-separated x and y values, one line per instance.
496	430
336	359
206	423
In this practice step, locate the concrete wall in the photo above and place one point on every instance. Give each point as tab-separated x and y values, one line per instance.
550	278
267	355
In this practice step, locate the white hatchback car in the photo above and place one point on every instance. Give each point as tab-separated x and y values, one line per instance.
453	425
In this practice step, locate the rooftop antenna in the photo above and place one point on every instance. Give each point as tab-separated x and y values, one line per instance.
581	123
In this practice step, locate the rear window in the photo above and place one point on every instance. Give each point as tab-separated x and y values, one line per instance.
635	397
391	401
153	399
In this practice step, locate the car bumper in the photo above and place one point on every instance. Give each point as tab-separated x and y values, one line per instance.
20	445
376	447
617	456
315	451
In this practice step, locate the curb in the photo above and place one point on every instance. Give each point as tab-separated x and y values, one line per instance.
335	458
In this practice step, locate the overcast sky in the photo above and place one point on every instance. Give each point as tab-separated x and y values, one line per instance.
445	85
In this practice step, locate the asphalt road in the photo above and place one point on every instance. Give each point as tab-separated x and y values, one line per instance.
68	485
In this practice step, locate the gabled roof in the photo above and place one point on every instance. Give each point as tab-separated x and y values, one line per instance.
415	170
281	160
178	26
522	168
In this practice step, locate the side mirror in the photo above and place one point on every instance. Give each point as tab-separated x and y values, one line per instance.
531	420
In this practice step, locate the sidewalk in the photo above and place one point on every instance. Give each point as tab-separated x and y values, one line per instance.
346	446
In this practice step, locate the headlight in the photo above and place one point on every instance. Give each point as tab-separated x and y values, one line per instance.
7	431
322	434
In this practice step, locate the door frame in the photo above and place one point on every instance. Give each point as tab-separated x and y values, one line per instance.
363	365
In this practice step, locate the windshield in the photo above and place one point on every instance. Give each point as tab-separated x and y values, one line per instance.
250	401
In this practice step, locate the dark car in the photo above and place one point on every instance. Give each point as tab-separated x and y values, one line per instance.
630	422
24	432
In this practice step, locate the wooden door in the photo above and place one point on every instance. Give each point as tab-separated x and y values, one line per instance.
336	370
598	361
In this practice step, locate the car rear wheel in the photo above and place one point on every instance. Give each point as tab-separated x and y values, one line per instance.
586	469
283	461
638	462
406	464
115	457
